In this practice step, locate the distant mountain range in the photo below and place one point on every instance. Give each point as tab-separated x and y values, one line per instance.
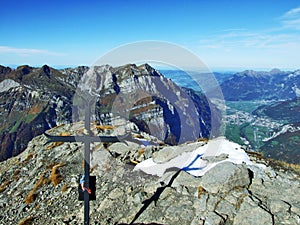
247	85
35	99
253	85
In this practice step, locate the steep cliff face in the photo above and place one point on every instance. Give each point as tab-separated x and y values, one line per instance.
35	99
142	95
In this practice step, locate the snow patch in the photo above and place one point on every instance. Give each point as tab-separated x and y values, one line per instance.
7	84
197	162
296	90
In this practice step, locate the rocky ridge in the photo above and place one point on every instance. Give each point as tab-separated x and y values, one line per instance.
40	186
34	100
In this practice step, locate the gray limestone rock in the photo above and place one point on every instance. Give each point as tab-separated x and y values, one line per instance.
250	213
224	177
170	152
166	154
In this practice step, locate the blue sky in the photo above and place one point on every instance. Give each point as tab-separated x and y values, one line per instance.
223	34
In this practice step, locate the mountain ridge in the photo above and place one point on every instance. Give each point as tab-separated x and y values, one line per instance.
41	98
253	85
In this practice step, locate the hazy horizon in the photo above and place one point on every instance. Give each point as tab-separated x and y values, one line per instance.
217	70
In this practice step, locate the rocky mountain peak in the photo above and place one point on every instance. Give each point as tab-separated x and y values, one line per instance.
45	70
24	70
19	73
4	70
150	69
251	74
276	71
134	70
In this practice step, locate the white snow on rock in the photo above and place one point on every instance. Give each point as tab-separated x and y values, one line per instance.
8	84
200	160
296	90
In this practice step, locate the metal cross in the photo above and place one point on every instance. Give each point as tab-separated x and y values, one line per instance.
87	139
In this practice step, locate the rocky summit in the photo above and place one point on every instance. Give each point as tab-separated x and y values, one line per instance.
40	185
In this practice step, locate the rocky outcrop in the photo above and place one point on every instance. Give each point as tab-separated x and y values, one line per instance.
3	71
40	186
225	177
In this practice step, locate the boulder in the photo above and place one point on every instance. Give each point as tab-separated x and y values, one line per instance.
224	177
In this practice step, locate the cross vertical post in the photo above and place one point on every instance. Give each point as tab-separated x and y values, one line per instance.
87	143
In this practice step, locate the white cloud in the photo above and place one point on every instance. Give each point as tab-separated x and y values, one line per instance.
292	24
279	38
246	40
291	19
27	51
295	12
243	48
